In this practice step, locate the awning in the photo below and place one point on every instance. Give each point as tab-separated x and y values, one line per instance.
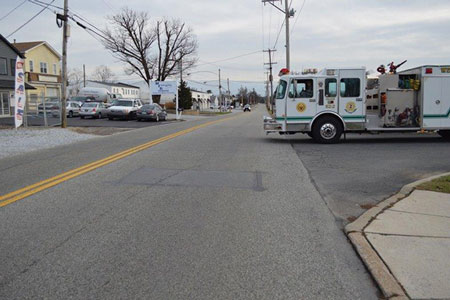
11	85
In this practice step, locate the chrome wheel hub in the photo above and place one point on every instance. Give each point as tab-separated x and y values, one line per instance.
328	131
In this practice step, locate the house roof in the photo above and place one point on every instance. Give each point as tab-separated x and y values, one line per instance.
27	46
11	46
120	84
11	85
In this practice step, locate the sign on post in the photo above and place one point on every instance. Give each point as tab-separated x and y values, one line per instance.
164	88
19	93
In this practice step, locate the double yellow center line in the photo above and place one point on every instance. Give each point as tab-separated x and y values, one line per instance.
48	183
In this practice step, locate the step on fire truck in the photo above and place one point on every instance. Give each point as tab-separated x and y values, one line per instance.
333	101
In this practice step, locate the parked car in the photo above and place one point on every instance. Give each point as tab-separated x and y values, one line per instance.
247	107
124	109
151	112
72	109
96	110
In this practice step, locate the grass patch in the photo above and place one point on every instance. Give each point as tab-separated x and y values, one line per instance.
210	113
441	185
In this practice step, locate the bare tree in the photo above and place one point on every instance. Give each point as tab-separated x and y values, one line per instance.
175	43
130	40
103	73
151	52
75	78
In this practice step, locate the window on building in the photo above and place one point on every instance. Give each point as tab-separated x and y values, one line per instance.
43	66
330	87
13	66
350	87
31	66
3	66
54	69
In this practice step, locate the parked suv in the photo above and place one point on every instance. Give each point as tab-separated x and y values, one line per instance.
124	109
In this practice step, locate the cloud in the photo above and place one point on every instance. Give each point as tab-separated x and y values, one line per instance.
326	33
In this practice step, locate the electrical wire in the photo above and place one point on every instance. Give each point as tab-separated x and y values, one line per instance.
49	4
12	10
31	19
296	19
42	5
230	58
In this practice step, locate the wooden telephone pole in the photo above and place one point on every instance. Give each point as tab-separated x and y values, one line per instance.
64	66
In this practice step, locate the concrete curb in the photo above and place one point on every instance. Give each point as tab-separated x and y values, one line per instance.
387	283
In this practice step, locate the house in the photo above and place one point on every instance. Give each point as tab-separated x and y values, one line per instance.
124	90
201	100
8	55
42	70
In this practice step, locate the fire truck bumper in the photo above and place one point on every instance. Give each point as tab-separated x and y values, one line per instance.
271	125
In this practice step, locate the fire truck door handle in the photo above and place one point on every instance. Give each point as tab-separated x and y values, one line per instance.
358	99
438	102
312	100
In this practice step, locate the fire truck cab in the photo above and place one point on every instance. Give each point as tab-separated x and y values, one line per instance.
333	101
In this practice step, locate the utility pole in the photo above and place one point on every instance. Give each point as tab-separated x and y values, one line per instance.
288	14
220	91
228	84
84	75
288	51
270	51
64	66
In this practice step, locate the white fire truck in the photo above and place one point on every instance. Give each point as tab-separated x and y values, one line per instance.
334	101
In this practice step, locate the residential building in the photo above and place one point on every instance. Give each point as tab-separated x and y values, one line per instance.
8	56
42	70
124	90
201	100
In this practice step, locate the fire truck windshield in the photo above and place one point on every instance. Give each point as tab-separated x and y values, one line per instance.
281	90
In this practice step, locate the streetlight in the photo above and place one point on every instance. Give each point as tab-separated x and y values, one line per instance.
220	85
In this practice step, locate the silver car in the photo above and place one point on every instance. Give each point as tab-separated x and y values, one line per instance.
96	110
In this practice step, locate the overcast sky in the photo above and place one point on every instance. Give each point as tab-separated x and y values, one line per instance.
326	33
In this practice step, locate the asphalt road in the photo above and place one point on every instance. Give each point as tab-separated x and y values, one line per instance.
365	169
219	213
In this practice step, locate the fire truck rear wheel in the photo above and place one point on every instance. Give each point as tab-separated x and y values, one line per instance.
327	130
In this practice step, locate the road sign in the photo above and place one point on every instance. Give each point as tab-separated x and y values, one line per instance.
164	87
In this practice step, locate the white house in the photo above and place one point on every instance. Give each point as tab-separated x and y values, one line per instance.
201	100
126	91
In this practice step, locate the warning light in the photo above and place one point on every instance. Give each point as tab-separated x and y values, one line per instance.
429	71
283	71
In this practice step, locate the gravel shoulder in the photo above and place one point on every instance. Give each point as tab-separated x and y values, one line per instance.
14	142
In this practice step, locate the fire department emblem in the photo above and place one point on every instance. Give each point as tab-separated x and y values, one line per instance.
301	107
350	107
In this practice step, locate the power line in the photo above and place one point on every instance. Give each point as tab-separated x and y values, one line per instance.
49	4
12	10
296	19
230	58
42	5
24	24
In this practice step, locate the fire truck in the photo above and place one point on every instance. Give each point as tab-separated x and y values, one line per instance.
331	102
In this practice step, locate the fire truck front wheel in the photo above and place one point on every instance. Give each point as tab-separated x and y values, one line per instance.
327	130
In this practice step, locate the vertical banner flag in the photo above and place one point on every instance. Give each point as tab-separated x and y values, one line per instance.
19	93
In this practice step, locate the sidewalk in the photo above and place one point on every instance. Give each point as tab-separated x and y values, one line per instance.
406	244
